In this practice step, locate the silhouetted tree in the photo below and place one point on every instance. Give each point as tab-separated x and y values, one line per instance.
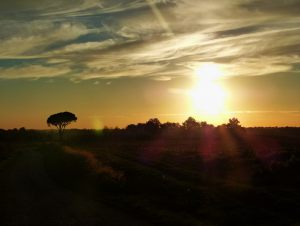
206	126
190	123
233	123
153	124
130	127
170	125
61	120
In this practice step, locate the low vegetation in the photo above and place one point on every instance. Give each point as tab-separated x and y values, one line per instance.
171	174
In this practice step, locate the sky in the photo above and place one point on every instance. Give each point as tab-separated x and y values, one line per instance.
116	62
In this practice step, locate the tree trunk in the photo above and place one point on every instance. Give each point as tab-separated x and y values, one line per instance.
60	134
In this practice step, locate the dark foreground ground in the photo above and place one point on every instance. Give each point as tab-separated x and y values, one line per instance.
209	177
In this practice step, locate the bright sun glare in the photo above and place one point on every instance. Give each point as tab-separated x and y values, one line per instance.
208	96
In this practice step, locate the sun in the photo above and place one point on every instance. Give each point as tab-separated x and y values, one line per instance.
208	96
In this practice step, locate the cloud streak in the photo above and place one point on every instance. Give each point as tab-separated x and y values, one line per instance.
162	39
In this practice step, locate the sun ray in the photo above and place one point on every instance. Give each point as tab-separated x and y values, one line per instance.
159	17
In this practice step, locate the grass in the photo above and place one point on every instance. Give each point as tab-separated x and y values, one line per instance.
246	179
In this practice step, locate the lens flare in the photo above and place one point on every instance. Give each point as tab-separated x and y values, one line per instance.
97	123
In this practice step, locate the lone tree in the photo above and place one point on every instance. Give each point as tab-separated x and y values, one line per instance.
61	120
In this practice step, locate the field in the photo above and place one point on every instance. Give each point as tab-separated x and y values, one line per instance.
206	176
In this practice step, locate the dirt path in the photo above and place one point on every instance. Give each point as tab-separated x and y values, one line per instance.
29	197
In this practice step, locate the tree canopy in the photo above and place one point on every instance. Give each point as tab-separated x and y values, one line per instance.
190	123
233	123
61	120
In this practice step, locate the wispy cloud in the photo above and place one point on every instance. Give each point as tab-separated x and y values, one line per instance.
33	71
162	39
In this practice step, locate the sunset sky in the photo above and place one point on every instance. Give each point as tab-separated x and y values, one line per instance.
115	62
